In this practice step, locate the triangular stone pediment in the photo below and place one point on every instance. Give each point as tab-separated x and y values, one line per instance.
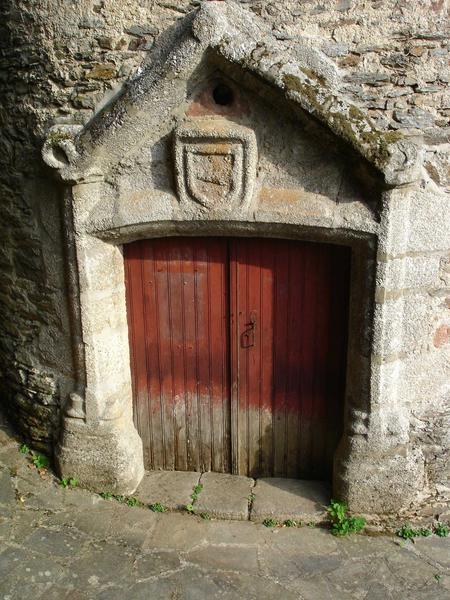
222	42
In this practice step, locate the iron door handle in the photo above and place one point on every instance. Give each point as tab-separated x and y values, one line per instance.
248	335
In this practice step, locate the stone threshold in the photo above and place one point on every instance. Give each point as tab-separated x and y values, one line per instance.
225	496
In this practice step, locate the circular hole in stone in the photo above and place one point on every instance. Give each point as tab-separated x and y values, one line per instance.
223	94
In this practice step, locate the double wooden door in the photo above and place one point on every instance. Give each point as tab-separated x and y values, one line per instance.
238	353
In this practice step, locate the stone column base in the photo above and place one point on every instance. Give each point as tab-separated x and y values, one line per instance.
105	456
378	482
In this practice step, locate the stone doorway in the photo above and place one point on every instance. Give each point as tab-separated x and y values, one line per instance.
238	353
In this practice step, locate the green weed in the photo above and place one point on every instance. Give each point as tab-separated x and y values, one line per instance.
24	449
107	495
290	523
269	522
157	507
196	491
341	522
128	500
68	482
407	532
39	460
441	530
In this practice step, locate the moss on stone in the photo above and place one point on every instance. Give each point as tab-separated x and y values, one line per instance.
353	125
55	137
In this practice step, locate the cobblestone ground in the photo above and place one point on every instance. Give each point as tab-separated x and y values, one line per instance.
60	543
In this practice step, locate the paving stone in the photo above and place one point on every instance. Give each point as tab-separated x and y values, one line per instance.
319	588
13	587
224	496
302	541
295	499
238	532
178	532
132	525
11	558
172	489
96	522
242	559
409	569
103	564
60	592
157	563
10	457
55	542
435	549
192	583
358	576
28	573
7	492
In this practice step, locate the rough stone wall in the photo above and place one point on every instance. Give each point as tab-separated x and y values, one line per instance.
60	61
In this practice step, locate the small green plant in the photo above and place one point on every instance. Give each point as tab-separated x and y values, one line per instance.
205	516
40	461
68	482
269	522
24	449
106	495
157	507
128	500
196	491
438	577
132	501
189	508
341	522
290	523
311	524
441	530
407	532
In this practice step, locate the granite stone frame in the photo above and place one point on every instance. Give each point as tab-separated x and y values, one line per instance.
112	199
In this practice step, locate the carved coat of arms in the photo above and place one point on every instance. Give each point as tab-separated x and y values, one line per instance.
215	162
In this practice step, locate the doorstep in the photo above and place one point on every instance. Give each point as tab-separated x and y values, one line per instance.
225	496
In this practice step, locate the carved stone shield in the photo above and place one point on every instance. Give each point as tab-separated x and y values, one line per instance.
215	162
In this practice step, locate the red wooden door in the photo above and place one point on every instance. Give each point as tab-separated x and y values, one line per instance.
177	297
288	341
238	353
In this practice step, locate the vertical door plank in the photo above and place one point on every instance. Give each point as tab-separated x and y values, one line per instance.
310	299
154	416
218	352
177	349
235	356
164	325
190	356
266	326
202	282
294	309
135	308
281	352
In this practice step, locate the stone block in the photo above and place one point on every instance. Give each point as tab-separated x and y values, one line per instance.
296	499
223	495
102	456
172	489
408	273
403	324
